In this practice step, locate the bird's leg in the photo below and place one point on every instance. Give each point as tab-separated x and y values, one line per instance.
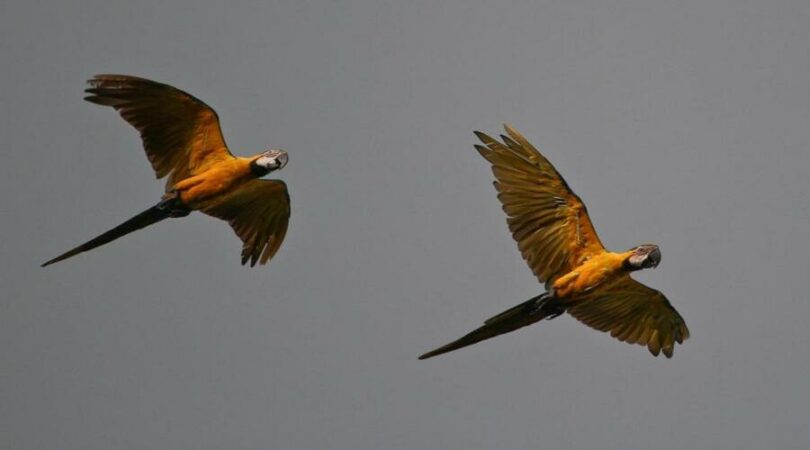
539	302
171	195
171	202
543	304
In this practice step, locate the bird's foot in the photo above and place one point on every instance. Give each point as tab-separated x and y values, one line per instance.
171	195
542	305
171	203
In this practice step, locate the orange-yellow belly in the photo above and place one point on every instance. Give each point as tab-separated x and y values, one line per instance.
217	180
589	275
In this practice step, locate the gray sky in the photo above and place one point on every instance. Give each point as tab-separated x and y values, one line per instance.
680	123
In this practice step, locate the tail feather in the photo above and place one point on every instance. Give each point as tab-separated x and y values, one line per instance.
151	216
526	313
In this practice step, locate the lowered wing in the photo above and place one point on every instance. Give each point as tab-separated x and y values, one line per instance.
259	212
633	313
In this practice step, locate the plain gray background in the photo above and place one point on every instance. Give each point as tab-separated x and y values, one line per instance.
681	123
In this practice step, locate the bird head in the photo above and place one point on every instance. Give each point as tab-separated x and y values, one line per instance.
273	159
643	257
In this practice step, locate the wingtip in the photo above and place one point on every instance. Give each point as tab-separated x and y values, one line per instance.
96	80
484	151
509	128
113	77
248	262
512	132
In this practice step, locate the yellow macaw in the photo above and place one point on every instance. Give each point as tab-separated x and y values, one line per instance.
556	238
183	141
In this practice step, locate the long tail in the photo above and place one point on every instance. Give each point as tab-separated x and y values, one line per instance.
163	210
526	313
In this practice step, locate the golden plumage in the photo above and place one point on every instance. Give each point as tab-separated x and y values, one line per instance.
558	241
183	141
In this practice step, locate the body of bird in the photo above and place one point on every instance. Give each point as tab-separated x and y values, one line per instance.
216	180
589	275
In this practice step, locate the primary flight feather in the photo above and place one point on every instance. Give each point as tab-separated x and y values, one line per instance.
183	142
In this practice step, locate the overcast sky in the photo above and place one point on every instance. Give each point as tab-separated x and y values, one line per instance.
680	123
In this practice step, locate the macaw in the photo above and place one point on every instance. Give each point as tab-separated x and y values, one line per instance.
183	141
558	241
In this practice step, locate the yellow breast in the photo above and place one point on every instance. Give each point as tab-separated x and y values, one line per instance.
219	179
590	274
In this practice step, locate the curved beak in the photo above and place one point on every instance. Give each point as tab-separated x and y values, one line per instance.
281	160
653	259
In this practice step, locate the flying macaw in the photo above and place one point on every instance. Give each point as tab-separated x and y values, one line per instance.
556	238
183	141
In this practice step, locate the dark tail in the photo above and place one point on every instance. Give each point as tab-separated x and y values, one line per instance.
526	313
163	210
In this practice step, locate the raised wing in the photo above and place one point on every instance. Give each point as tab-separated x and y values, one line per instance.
180	133
258	211
633	313
549	222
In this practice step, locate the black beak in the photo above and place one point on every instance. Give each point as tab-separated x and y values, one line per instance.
653	259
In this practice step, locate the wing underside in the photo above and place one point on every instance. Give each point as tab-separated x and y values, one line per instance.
259	213
180	133
549	222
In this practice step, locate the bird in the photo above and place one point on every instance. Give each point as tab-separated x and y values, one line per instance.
558	241
183	142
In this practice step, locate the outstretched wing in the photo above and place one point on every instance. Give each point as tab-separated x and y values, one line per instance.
549	222
258	211
180	133
633	313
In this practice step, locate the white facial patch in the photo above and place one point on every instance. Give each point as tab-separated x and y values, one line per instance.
266	161
636	260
